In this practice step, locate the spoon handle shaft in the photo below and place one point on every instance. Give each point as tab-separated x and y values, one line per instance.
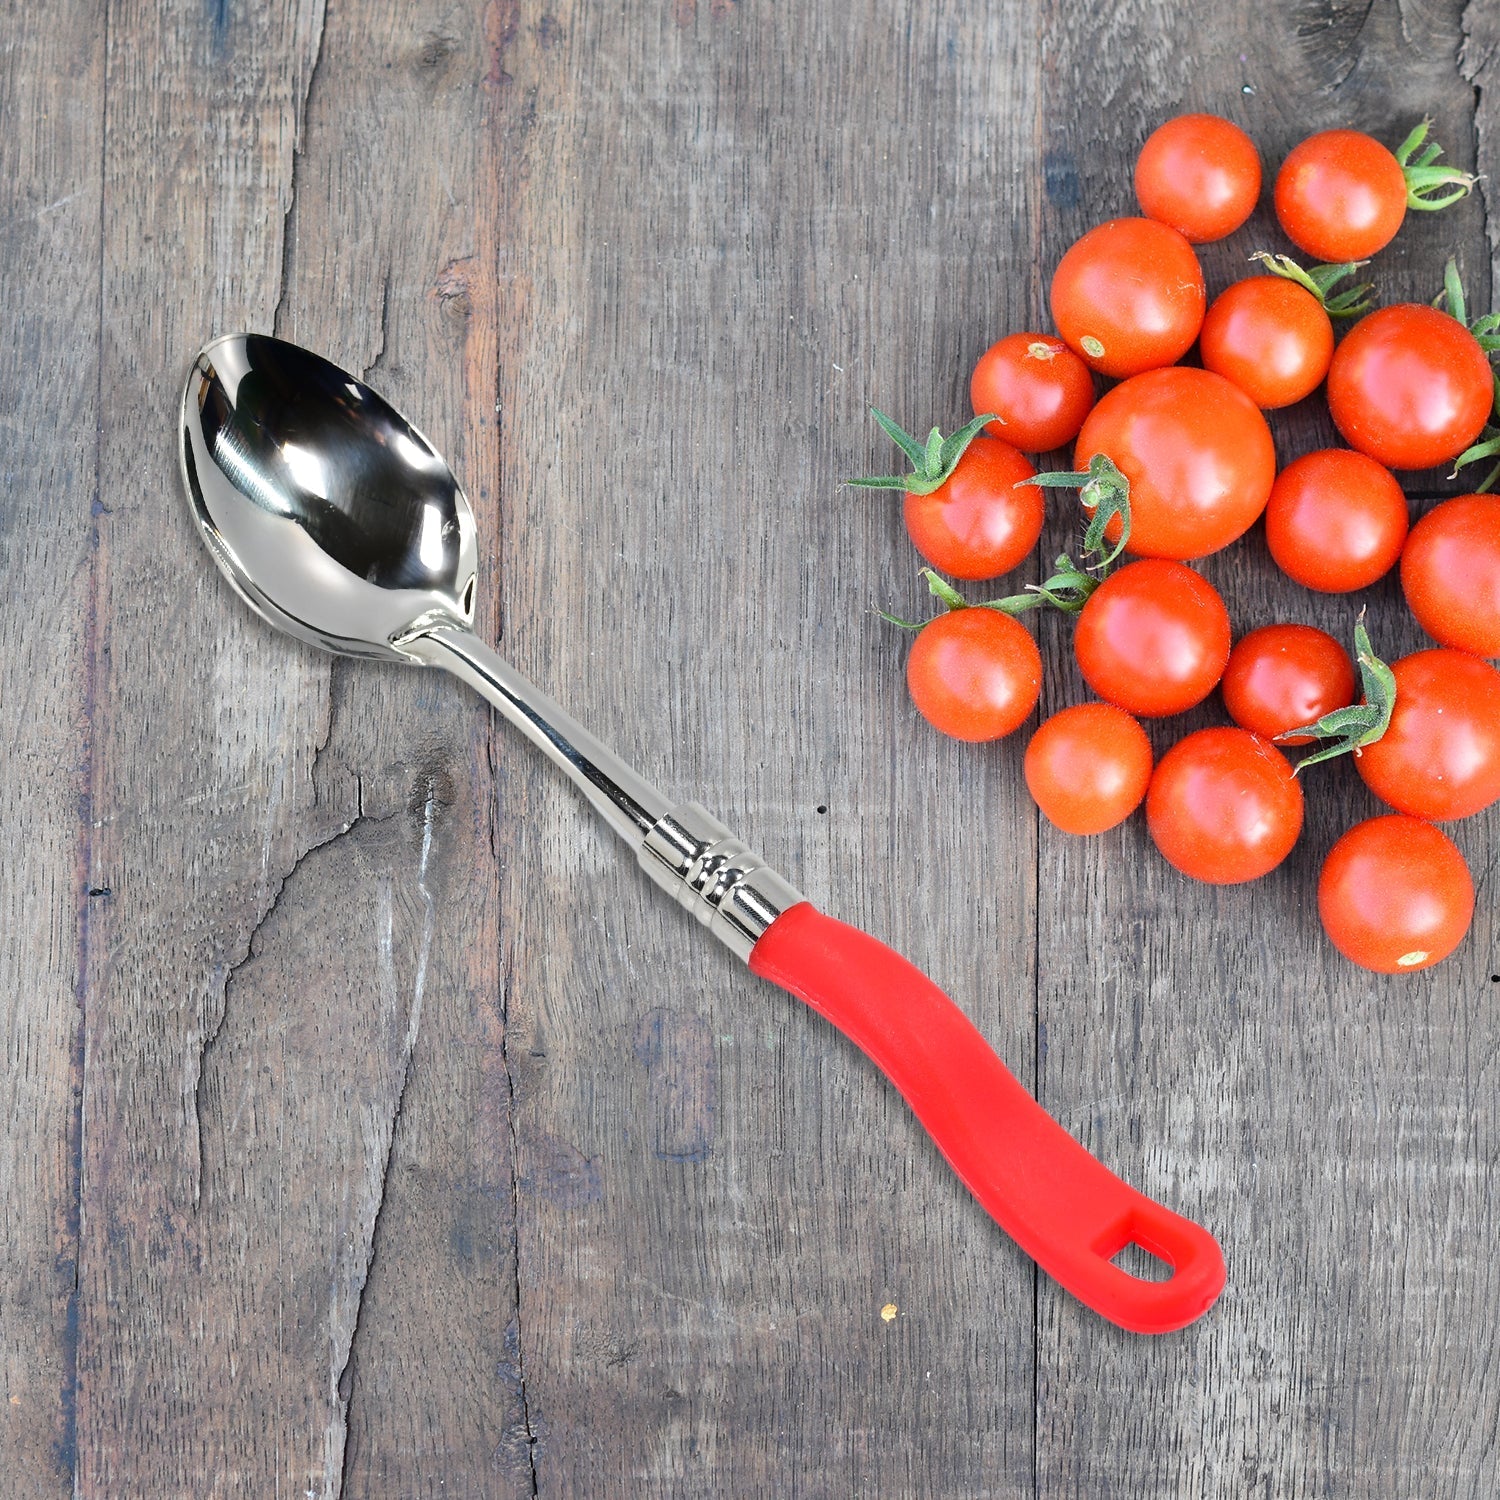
683	848
624	799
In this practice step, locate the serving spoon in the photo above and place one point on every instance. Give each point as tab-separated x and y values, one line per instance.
337	521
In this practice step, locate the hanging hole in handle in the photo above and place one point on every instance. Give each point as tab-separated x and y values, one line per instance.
1134	1259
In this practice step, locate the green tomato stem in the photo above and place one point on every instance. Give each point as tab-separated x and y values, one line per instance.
1104	492
1430	187
1067	590
933	461
1320	281
1486	329
1351	729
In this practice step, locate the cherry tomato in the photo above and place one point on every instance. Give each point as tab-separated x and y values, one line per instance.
1153	638
1281	677
1410	386
1440	757
977	524
1224	806
1129	296
1450	571
1395	895
1199	174
1038	386
1269	336
1336	520
1341	195
1088	767
1197	453
974	673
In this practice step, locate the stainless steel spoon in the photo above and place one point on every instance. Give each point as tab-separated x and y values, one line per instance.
338	522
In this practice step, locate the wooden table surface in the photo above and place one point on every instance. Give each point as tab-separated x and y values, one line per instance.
371	1127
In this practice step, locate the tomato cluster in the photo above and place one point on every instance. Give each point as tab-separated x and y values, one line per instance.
1174	462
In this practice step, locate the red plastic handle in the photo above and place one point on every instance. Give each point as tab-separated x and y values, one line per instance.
1068	1211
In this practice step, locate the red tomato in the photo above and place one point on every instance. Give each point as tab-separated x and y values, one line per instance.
1395	895
1199	174
1341	195
1450	571
1224	806
977	524
1129	296
1153	638
1197	453
1440	757
1088	767
974	673
1336	520
1269	336
1037	386
1281	677
1410	386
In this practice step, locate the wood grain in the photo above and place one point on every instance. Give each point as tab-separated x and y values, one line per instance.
50	163
375	1129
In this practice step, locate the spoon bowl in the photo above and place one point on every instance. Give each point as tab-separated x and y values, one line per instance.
332	516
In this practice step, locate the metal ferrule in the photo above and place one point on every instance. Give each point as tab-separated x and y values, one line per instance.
734	893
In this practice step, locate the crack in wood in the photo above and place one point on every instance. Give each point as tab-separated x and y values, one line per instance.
299	155
492	825
344	1383
383	338
231	971
515	1217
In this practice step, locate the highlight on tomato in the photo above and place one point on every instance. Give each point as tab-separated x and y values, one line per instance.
1395	895
973	672
1439	757
1038	389
1282	677
1224	806
1351	727
1129	297
1336	520
1450	573
1088	767
1153	638
1341	195
1270	337
1197	456
1411	386
1200	175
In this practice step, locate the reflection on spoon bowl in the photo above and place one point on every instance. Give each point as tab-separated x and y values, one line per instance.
329	512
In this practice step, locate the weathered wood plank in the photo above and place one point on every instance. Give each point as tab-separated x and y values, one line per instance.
332	1076
394	228
205	738
733	233
50	153
1335	1128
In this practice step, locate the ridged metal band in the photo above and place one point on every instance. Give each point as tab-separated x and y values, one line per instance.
732	891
